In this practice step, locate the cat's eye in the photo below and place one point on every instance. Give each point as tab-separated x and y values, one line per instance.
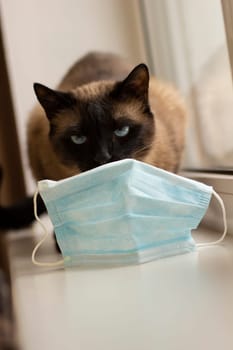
121	132
78	140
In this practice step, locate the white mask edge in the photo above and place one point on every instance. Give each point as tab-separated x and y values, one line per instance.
221	203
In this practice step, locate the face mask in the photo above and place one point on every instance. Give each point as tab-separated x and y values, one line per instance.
124	212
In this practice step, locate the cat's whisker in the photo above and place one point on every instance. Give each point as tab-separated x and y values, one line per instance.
142	149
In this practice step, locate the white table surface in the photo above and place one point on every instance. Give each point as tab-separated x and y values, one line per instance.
179	303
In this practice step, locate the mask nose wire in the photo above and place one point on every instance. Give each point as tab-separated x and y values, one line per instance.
220	201
46	234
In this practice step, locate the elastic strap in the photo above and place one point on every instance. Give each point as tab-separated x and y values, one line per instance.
46	234
220	201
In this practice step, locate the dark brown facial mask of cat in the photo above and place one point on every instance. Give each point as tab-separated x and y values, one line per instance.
100	122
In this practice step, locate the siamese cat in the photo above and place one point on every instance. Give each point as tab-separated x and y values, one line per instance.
103	110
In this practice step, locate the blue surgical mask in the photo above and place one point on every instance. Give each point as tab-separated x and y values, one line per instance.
124	212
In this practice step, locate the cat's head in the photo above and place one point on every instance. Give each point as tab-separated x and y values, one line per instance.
100	122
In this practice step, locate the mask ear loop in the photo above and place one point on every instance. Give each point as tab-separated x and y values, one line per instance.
220	201
46	234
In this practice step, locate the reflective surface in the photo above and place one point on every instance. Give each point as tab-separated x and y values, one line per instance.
183	302
188	47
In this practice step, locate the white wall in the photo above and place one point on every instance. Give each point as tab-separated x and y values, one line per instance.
43	38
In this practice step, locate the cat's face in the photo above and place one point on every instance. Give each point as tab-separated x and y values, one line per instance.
100	122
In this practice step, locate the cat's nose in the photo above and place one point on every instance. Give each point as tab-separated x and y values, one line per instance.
102	157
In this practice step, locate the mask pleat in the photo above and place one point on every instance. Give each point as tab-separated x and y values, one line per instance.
126	208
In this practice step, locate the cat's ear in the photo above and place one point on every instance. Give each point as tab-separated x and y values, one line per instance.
53	101
136	83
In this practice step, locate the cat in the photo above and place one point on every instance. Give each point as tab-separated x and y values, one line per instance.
103	110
